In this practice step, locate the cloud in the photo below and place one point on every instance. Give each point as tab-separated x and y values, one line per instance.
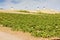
30	4
16	1
41	1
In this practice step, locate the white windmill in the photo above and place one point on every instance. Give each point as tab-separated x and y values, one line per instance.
12	8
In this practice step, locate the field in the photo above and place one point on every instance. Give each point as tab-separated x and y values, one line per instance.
42	25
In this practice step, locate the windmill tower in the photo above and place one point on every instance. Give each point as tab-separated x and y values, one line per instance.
38	8
44	7
12	8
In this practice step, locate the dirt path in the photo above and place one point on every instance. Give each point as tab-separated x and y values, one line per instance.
8	34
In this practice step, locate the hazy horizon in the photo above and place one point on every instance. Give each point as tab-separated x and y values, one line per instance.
30	4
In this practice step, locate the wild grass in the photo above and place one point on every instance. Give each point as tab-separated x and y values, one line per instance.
25	11
43	25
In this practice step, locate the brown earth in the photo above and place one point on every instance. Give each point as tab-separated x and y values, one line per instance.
8	34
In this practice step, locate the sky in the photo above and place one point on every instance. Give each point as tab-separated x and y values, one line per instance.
30	4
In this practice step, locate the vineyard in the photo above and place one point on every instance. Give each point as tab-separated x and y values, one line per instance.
42	25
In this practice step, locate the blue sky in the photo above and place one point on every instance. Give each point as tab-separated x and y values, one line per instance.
30	4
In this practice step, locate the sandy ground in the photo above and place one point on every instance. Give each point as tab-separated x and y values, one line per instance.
8	34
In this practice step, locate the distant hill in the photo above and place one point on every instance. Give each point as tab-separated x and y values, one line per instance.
51	11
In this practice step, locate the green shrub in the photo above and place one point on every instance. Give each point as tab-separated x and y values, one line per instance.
25	11
43	25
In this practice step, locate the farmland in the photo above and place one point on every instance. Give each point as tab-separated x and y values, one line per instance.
42	25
